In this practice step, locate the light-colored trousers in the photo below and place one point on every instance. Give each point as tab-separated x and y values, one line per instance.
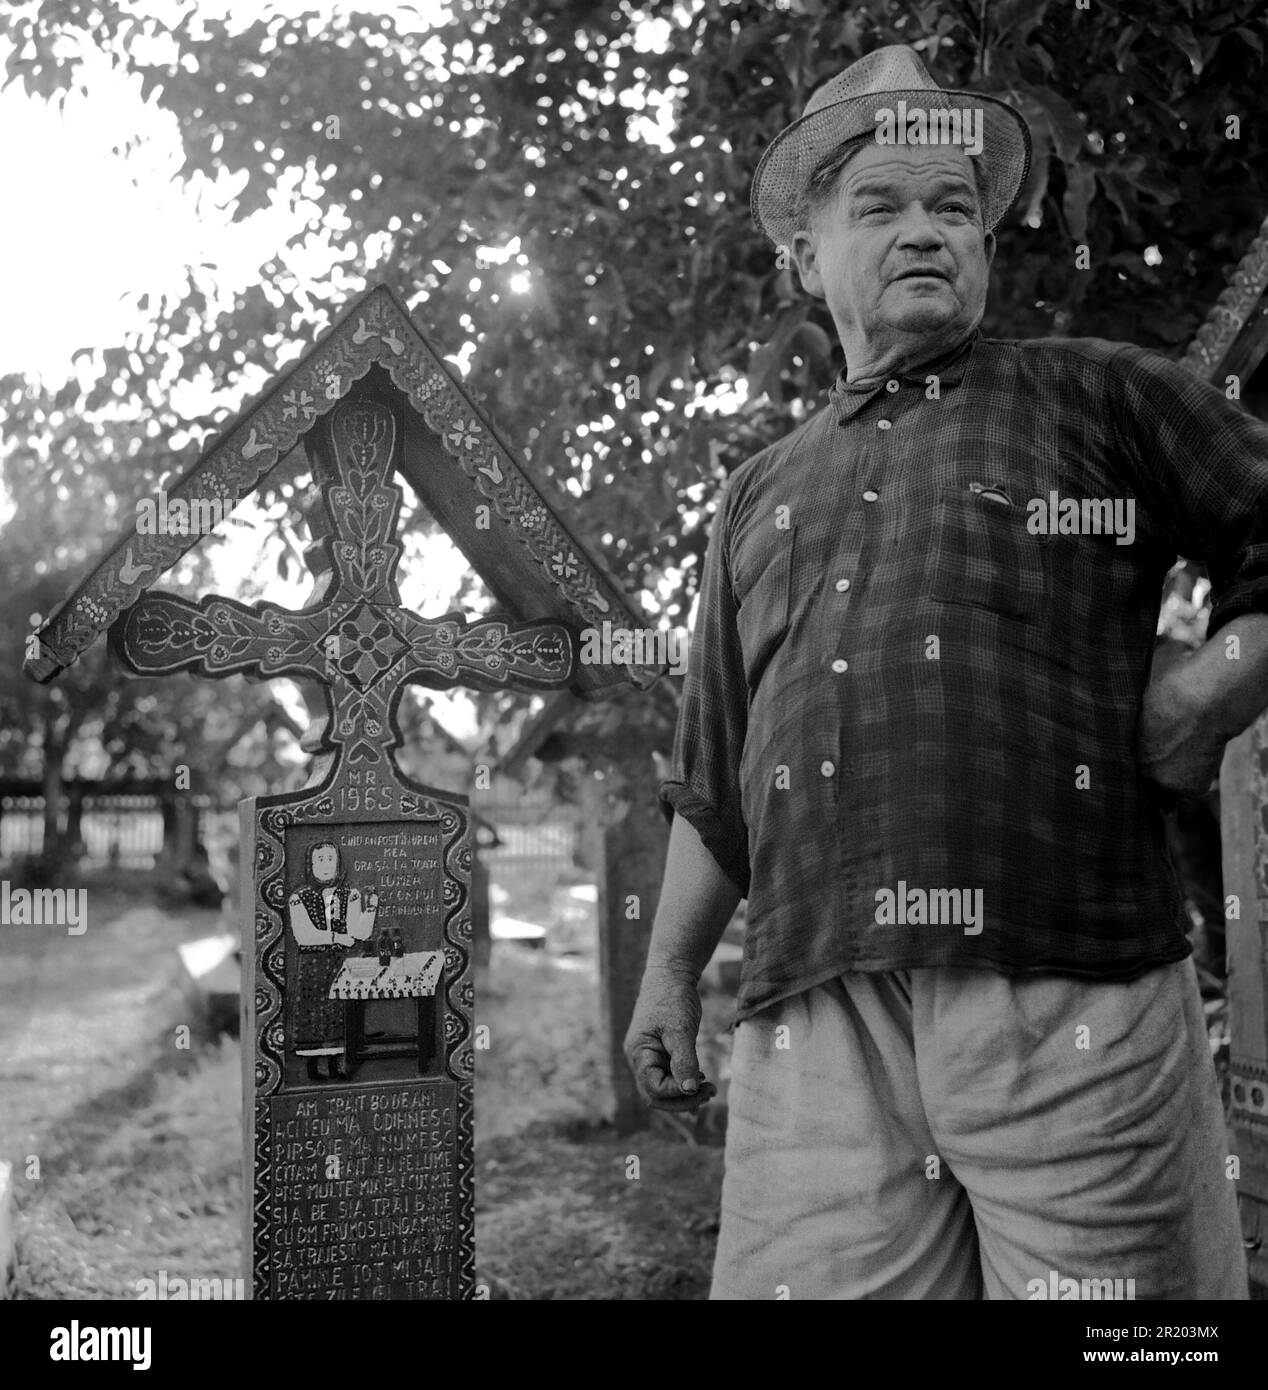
958	1134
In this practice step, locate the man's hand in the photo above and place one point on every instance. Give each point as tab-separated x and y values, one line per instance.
1176	745
661	1043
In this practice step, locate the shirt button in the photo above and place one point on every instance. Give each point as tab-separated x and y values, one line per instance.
840	665
870	496
842	585
891	387
827	768
884	424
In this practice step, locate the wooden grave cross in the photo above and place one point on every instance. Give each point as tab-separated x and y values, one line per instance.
338	1159
358	1043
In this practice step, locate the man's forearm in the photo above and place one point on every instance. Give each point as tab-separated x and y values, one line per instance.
696	902
1227	678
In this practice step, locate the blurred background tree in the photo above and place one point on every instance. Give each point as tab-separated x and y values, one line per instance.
559	188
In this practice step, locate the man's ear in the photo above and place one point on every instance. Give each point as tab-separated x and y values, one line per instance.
989	243
806	258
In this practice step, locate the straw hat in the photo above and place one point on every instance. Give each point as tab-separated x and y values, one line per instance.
845	107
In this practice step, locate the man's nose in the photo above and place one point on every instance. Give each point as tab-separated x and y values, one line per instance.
919	230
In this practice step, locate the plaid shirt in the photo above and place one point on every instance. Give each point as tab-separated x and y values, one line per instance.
894	684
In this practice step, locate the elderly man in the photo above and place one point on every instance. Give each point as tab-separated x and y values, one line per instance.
919	733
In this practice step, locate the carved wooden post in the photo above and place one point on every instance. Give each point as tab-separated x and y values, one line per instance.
1244	803
1229	347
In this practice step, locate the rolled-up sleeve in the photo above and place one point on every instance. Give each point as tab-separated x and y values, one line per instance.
1202	460
704	781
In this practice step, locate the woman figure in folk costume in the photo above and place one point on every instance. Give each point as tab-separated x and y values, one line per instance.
326	917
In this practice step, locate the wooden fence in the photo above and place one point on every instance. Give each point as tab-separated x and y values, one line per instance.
533	833
126	829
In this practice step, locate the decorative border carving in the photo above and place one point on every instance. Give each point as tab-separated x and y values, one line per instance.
1232	310
1257	790
374	329
273	816
1248	1089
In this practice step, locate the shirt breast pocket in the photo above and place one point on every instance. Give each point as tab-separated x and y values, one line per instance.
983	556
764	600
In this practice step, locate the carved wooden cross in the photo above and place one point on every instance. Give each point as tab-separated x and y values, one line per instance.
363	647
329	1046
355	638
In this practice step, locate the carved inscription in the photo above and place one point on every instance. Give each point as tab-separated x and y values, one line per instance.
365	1193
403	860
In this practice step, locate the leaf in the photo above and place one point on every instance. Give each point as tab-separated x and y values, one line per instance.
1063	121
1183	38
815	340
1032	194
1123	44
1080	185
1110	183
767	362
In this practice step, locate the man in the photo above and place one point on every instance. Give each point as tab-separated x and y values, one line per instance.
919	734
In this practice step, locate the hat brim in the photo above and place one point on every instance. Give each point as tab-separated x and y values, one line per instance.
791	157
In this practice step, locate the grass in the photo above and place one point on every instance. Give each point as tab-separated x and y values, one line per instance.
138	1139
566	1208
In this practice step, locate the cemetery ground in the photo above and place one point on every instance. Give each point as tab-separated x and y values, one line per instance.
138	1139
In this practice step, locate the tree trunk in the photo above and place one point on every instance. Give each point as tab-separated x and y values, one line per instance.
51	848
75	847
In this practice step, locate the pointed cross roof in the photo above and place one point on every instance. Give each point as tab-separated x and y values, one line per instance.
454	459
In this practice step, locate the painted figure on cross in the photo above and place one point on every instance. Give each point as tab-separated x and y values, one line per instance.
327	917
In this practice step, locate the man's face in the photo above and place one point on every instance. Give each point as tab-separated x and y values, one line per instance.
897	210
325	863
